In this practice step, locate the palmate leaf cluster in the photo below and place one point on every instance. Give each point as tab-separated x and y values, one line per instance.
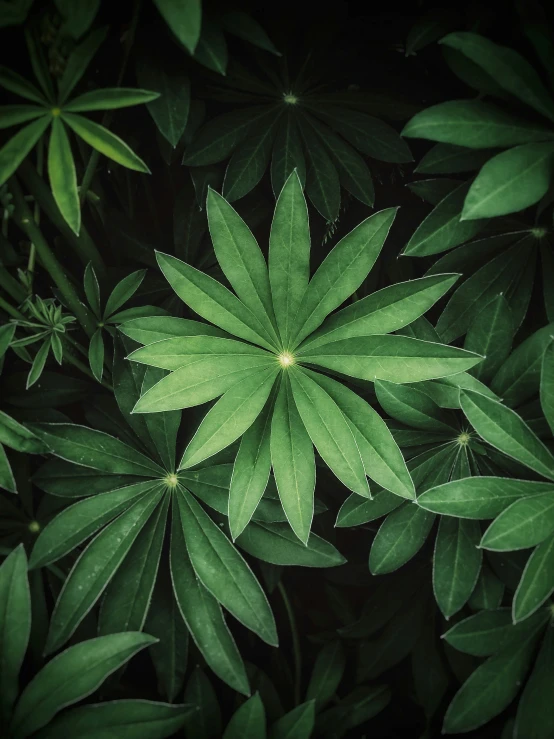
276	455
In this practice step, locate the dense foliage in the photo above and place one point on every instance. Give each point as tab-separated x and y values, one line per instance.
304	485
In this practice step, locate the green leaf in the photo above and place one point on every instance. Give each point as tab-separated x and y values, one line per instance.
503	429
94	569
510	181
508	69
277	544
383	311
474	124
535	719
382	459
202	614
433	190
287	155
249	161
452	159
109	98
537	581
123	291
327	673
246	28
241	260
78	61
479	497
490	334
7	480
16	149
17	84
289	255
156	328
129	718
11	115
547	385
442	229
412	407
211	49
355	511
456	563
488	592
293	462
77	19
296	724
357	708
96	354
214	302
397	359
39	363
127	597
104	141
95	449
230	417
92	290
162	427
518	379
73	525
489	632
184	19
170	110
322	179
250	472
15	626
522	525
18	437
329	431
206	723
400	537
342	272
222	570
491	688
72	675
248	722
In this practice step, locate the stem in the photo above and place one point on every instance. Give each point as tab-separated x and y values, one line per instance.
10	310
108	115
11	286
297	657
24	218
83	244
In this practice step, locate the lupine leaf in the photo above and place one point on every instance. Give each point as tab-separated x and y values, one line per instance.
399	538
537	581
522	525
456	563
490	334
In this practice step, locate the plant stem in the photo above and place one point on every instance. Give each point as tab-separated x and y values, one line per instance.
108	115
11	286
10	310
83	244
24	218
297	657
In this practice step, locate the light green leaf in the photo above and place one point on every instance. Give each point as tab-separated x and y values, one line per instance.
510	181
18	437
277	544
503	429
508	69
394	358
547	385
412	407
456	563
213	301
202	614
94	569
382	312
248	722
95	449
442	229
16	149
289	255
342	272
15	626
184	19
126	718
156	328
474	124
104	141
108	98
230	417
73	525
329	431
491	687
535	718
241	260
72	675
400	537
522	525
222	570
123	291
479	497
383	460
250	472
293	462
490	334
537	581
